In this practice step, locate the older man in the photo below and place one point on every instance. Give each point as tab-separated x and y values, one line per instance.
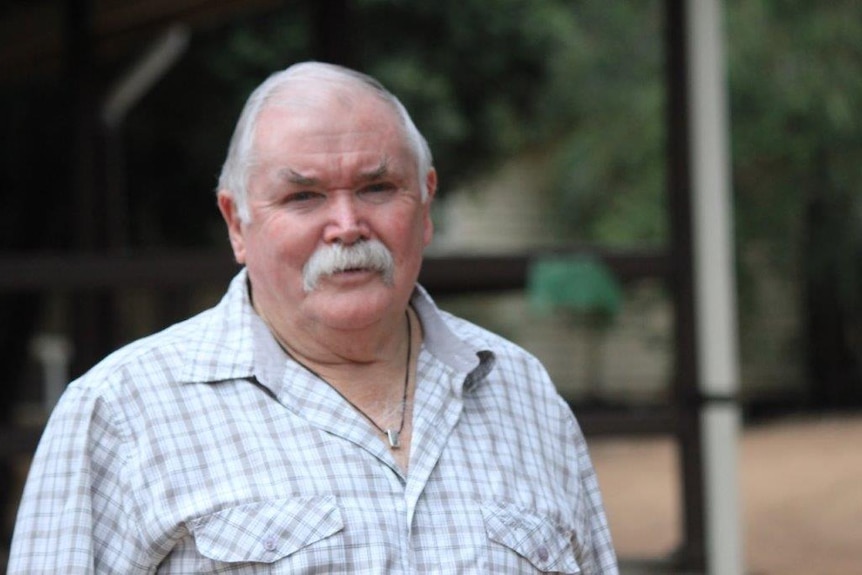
325	417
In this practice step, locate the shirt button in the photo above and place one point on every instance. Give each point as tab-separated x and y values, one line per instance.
269	543
542	553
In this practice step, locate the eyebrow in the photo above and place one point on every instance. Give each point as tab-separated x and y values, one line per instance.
295	177
381	170
299	179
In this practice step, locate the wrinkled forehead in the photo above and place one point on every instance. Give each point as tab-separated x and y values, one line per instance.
316	107
332	131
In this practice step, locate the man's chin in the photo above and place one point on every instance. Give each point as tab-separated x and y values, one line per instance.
351	308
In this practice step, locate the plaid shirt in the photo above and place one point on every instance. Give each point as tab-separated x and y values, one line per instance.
204	449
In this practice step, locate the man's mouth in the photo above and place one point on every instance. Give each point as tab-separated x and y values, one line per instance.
352	270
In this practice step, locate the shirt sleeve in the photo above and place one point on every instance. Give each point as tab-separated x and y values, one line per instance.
73	514
599	556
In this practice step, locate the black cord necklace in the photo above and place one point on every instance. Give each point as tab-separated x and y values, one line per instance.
392	435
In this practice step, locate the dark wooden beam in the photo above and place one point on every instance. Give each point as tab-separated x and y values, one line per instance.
691	555
440	274
333	32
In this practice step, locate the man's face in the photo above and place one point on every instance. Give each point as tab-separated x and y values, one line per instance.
330	172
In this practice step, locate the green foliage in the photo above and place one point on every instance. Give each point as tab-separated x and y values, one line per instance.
797	133
486	85
796	89
497	78
472	72
608	181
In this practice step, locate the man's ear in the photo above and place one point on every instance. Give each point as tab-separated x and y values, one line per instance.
430	190
227	207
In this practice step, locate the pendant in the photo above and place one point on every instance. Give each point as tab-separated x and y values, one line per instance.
394	438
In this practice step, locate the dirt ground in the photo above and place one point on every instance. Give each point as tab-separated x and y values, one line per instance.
801	491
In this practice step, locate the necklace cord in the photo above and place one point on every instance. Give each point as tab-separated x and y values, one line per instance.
392	435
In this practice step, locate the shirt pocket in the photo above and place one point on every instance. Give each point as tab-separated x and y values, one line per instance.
266	531
546	545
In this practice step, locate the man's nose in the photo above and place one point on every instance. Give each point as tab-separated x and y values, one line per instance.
347	223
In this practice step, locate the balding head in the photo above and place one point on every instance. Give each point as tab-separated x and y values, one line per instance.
308	84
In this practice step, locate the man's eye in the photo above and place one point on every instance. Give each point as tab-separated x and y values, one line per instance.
378	193
301	197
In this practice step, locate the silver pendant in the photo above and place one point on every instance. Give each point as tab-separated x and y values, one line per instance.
394	438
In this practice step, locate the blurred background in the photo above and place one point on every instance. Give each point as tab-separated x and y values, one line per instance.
561	217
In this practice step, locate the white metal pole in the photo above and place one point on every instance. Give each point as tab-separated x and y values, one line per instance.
715	285
144	74
54	352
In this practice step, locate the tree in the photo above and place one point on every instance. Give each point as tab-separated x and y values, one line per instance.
797	148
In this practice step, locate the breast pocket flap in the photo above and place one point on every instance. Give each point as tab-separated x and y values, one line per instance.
546	545
266	531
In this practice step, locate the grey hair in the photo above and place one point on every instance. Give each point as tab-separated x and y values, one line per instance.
235	170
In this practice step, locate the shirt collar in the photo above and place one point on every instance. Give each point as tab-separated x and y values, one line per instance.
439	339
460	354
221	347
246	349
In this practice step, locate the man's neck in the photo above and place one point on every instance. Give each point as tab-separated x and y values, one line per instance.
328	350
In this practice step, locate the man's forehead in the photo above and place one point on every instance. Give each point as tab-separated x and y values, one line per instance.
318	118
302	141
311	131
